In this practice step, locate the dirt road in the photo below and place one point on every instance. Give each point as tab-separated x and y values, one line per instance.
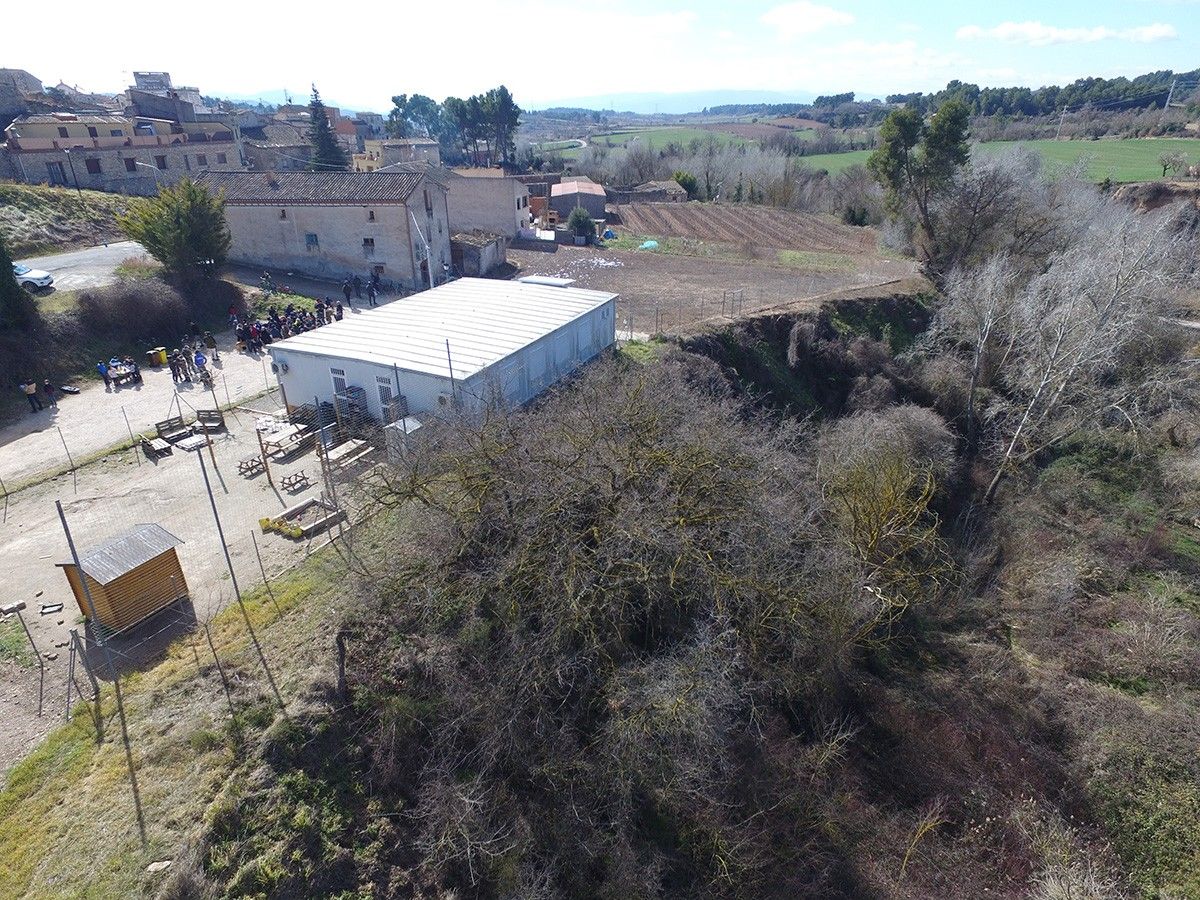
94	419
88	268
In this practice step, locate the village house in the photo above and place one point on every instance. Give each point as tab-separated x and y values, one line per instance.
567	195
338	224
111	152
387	152
487	200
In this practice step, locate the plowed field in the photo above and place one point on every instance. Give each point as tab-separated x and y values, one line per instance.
758	226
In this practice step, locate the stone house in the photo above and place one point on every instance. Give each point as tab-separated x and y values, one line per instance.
110	152
389	151
567	195
487	200
336	224
277	147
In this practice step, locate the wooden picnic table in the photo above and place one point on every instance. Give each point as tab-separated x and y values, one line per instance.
347	452
122	374
275	441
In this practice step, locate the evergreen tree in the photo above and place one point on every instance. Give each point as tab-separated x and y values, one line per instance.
327	153
17	308
183	228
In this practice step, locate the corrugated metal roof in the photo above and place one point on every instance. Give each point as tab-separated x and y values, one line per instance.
485	321
122	554
250	188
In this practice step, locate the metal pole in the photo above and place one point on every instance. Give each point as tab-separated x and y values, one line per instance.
262	451
65	447
82	657
225	381
450	366
132	439
74	177
263	569
112	670
233	578
70	678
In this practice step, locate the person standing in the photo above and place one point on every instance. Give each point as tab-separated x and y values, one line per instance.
103	370
48	390
371	293
338	312
29	386
211	343
347	289
357	287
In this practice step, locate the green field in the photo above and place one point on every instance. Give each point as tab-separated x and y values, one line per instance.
655	138
1120	160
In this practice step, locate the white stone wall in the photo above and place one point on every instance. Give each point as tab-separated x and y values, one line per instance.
498	205
276	237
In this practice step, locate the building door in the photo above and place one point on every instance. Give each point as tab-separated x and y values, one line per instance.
387	399
339	380
56	172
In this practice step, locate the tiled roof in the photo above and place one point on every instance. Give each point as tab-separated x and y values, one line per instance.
576	187
275	134
249	188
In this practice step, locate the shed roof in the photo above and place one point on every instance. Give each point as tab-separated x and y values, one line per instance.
255	188
576	187
484	320
670	186
123	553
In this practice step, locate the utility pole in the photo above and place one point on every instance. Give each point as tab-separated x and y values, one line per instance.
1060	123
74	178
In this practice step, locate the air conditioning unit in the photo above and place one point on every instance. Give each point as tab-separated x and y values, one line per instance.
278	367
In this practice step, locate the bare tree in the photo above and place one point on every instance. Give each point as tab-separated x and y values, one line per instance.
1076	327
1172	162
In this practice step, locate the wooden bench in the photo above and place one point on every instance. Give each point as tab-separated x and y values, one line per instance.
212	419
295	482
154	446
172	429
250	465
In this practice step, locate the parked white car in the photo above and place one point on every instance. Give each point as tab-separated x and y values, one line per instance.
32	279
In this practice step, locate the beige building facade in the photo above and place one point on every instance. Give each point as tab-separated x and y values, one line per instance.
487	200
334	225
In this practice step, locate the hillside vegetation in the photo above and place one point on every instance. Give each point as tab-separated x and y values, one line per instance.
36	219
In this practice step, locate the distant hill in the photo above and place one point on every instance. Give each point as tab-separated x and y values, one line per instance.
676	104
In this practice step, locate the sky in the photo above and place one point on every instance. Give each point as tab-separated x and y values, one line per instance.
872	47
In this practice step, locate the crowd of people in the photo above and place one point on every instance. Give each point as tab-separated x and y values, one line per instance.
255	333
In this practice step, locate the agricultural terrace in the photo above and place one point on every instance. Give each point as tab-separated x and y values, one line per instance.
1134	159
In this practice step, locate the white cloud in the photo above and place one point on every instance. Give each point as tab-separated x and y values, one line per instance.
792	20
1036	34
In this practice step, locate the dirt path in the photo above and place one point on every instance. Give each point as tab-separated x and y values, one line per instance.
108	497
92	420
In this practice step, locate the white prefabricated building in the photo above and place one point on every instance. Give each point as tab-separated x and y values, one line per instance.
470	341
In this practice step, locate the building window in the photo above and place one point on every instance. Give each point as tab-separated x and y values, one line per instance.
62	132
310	242
115	132
93	166
220	159
283	214
428	205
368	247
370	215
131	165
161	162
201	159
187	163
339	380
518	203
56	172
92	132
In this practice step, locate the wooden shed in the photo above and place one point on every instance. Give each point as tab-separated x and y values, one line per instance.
130	576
